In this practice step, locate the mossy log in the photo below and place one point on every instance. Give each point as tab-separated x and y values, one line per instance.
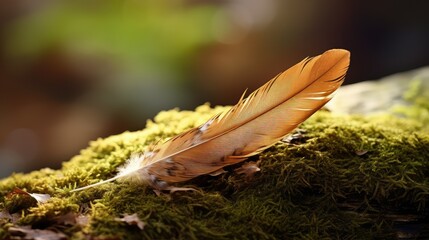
339	176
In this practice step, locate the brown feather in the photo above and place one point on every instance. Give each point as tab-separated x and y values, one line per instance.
252	125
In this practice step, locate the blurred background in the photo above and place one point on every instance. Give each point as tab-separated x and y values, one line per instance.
73	71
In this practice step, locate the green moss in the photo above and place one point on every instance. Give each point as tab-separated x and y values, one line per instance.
418	109
343	178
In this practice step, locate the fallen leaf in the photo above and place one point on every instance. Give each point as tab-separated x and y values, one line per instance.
12	217
132	220
66	219
71	219
40	198
28	233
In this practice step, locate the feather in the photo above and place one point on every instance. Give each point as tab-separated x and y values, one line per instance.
252	125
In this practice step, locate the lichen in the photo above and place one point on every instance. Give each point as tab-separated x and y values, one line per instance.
344	177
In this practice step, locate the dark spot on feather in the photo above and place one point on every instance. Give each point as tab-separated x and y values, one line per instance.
307	60
238	151
337	79
275	78
256	92
270	83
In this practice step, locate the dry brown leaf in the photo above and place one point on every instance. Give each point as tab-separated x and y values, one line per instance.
40	198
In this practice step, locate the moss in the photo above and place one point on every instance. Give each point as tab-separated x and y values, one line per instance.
418	109
342	177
